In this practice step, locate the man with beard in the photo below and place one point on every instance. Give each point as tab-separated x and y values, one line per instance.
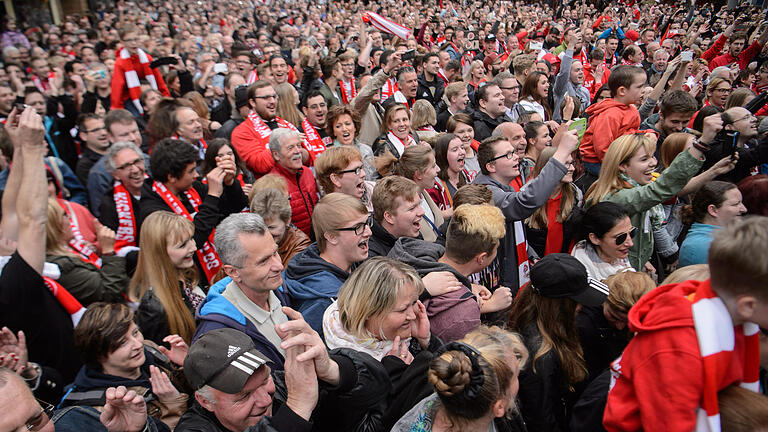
93	134
570	78
313	126
430	84
490	111
7	98
677	108
736	52
251	137
492	64
408	83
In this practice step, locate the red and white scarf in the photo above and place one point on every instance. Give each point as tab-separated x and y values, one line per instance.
389	89
521	244
66	300
207	254
263	131
78	243
132	77
253	77
348	91
126	229
385	25
395	140
716	335
314	143
41	85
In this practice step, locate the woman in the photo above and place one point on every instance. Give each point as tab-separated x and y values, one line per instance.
12	36
343	126
418	164
462	125
449	155
424	119
218	150
396	132
340	169
627	178
115	354
604	240
545	316
718	91
474	76
739	97
287	102
378	312
165	283
754	191
275	208
461	401
716	204
603	332
533	96
537	139
550	228
86	275
601	94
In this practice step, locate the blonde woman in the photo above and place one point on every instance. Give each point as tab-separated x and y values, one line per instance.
627	177
287	102
474	76
165	282
424	119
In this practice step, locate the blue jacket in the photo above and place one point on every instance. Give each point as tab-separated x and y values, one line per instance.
76	190
217	312
695	247
315	284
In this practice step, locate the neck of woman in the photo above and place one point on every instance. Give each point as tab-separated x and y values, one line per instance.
443	423
453	177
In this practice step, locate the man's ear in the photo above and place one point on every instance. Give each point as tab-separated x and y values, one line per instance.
275	155
205	403
334	178
389	217
331	238
232	272
304	110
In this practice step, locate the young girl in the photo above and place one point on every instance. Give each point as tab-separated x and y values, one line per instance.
533	96
449	155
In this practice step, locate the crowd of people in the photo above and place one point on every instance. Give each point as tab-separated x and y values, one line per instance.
296	216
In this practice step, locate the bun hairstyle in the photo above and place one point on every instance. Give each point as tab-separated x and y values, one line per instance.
712	193
469	376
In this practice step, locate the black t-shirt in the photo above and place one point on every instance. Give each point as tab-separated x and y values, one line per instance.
27	304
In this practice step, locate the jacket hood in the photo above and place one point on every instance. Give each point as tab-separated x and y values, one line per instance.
663	308
609	104
422	256
314	276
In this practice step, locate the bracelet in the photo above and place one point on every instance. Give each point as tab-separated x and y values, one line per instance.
698	145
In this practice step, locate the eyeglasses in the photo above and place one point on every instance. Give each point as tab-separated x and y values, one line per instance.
94	130
359	229
42	419
136	163
748	116
722	90
267	97
357	170
621	238
508	155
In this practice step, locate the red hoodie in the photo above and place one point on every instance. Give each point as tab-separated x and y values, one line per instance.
659	379
608	120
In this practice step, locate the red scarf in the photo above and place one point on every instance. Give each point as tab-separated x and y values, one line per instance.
207	254
554	228
65	299
132	76
389	89
348	91
126	230
521	244
314	143
263	131
253	77
41	85
78	243
716	335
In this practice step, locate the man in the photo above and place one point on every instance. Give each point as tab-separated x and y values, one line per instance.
611	45
452	71
522	65
235	389
457	96
444	59
396	213
472	242
341	224
286	149
552	39
223	111
510	89
669	46
408	84
492	65
430	85
93	133
41	74
657	67
174	187
570	79
595	72
98	89
736	52
187	126
244	66
650	52
752	153
279	68
713	326
490	111
7	98
499	164
238	114
119	208
489	47
677	108
346	86
330	67
251	137
632	56
576	45
121	126
313	126
515	134
647	37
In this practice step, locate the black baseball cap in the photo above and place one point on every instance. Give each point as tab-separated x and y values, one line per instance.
490	38
560	275
223	359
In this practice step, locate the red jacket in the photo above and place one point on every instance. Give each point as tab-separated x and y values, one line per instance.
120	88
252	149
303	191
660	376
608	120
743	59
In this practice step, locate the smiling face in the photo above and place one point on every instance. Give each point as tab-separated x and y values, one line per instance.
344	129
542	87
190	129
348	182
279	70
405	220
426	178
289	155
400	124
460	101
181	250
128	357
241	410
396	322
465	133
262	267
316	110
606	246
129	169
265	102
494	105
503	168
640	166
730	209
455	155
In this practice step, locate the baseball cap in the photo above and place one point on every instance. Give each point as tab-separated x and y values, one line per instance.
560	275
490	38
632	35
223	359
489	59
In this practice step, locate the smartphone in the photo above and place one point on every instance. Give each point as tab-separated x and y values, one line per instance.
162	61
408	55
686	56
731	141
536	46
98	74
220	68
218	81
313	42
580	126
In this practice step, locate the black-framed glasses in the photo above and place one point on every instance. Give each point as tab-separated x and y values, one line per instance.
267	97
508	155
138	162
41	419
748	116
623	237
359	229
357	170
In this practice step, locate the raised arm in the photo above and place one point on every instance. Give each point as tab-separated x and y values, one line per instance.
9	224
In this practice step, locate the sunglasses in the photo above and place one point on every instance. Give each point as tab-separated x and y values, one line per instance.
623	237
